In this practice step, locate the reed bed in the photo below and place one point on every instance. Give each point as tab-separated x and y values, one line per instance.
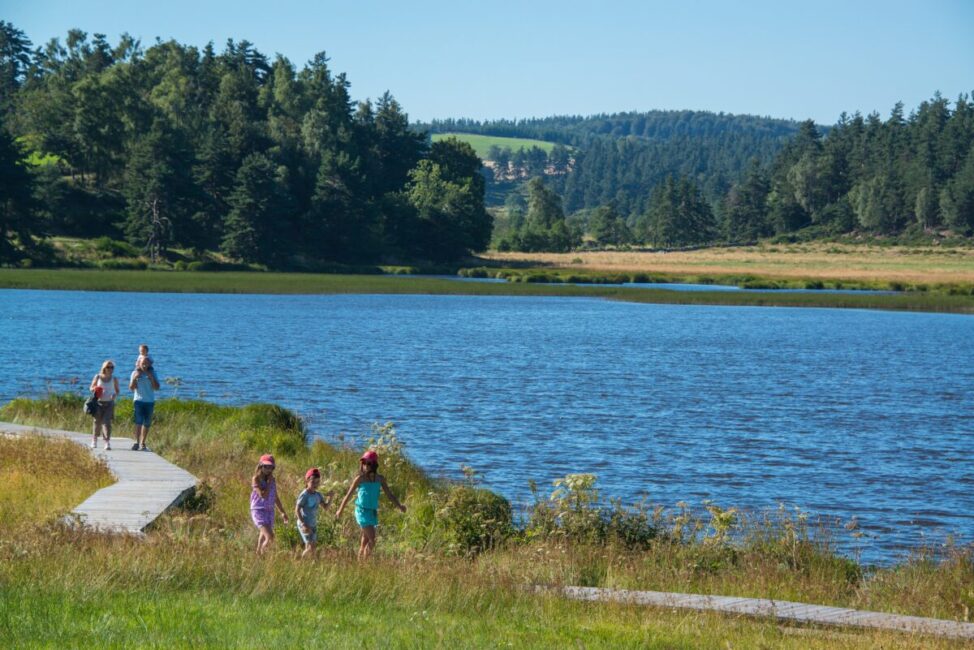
946	298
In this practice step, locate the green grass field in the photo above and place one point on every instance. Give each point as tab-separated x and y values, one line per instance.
482	143
195	581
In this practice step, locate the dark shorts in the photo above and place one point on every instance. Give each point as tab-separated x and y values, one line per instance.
143	413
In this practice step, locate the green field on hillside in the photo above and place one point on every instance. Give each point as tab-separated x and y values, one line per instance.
482	143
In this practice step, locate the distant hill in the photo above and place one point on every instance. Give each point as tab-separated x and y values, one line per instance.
577	130
620	158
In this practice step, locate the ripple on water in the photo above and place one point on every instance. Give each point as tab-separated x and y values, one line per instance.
842	413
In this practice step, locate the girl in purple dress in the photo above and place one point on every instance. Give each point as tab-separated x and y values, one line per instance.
263	500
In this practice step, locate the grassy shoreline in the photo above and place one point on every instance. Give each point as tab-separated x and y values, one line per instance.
195	580
307	283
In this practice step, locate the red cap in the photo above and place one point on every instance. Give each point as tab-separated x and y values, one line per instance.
98	391
370	457
314	471
267	459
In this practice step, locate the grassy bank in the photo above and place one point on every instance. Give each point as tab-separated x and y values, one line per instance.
300	283
850	264
448	572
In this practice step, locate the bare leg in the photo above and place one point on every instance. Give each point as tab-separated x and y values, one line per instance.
264	539
368	542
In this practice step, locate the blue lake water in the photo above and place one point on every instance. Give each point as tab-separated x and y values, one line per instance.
842	413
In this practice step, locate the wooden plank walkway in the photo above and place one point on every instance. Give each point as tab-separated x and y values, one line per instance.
779	609
147	484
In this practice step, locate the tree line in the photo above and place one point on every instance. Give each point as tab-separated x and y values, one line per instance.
177	146
678	179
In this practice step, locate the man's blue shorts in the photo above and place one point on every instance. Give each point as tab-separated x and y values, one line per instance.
143	413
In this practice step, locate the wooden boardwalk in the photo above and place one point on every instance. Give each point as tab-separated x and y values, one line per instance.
146	484
779	609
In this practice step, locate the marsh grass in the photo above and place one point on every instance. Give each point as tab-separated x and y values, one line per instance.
55	474
443	574
960	301
827	262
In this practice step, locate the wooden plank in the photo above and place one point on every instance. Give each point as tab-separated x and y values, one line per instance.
146	484
779	609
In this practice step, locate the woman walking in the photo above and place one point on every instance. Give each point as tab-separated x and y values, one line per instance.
105	387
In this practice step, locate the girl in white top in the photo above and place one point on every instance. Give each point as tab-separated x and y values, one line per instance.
105	387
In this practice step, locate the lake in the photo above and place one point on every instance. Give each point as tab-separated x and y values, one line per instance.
842	413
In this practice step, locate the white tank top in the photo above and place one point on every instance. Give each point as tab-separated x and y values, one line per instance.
107	388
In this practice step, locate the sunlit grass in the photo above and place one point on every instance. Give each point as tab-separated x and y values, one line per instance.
824	261
482	143
195	581
52	476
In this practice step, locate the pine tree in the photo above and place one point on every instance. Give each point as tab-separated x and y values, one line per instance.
17	225
255	204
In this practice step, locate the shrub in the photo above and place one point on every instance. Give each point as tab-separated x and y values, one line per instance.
115	248
268	427
475	520
201	499
631	527
271	416
479	272
123	264
571	513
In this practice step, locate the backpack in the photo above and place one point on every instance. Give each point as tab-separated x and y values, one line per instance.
91	405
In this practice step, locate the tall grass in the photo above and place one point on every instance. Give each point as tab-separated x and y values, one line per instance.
449	572
306	283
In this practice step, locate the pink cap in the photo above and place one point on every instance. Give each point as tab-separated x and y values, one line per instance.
314	471
370	457
267	459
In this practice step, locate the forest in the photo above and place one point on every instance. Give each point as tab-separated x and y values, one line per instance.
173	146
680	178
176	147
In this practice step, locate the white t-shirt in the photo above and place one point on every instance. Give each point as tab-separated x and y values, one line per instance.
107	388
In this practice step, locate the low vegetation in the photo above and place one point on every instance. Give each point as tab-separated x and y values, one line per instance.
526	282
450	571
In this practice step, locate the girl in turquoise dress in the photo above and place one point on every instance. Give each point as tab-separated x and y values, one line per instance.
367	483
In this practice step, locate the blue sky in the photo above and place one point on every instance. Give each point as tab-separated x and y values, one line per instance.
537	58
